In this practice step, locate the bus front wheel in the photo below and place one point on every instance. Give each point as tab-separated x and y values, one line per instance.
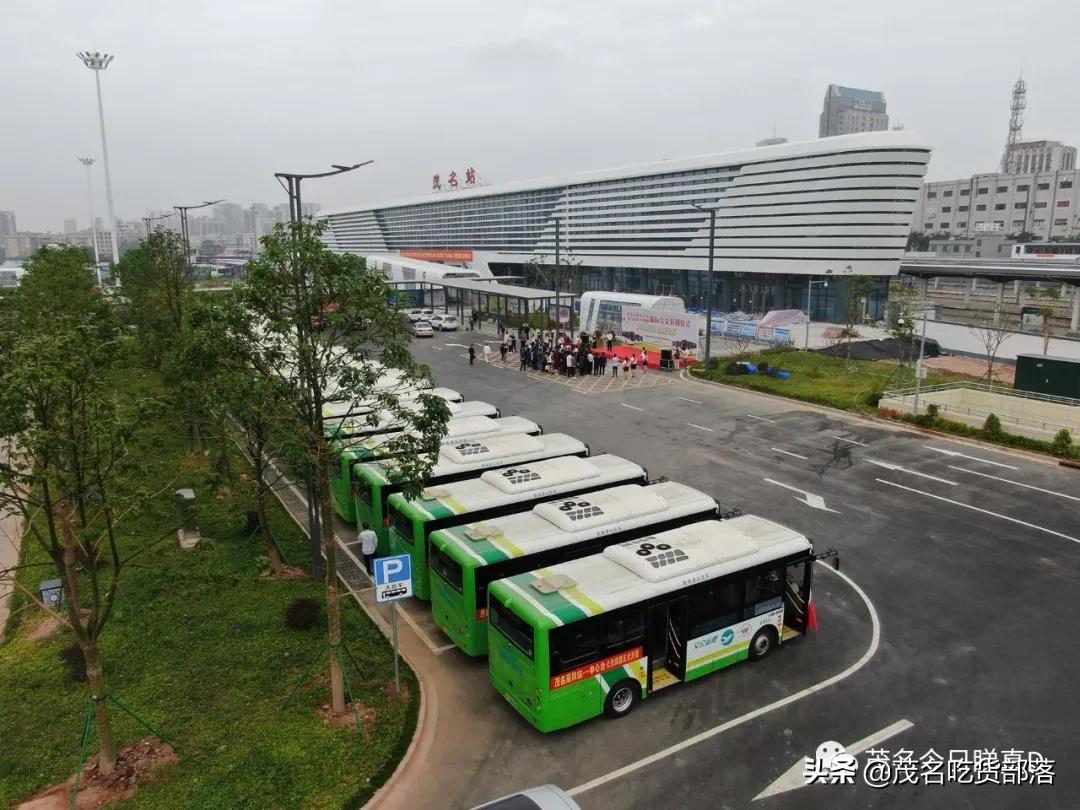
622	698
762	643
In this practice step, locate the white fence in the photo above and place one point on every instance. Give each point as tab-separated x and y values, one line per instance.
958	337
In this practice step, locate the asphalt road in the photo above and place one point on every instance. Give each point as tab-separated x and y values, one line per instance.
969	568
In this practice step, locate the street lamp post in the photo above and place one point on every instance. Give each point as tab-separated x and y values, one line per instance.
183	209
148	220
88	162
558	257
97	62
711	211
291	183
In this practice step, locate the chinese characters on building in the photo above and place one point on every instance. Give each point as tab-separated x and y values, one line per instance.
452	180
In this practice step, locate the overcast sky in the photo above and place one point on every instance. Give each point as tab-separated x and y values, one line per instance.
208	98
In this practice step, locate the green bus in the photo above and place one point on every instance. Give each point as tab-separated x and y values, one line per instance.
466	559
493	495
596	635
374	447
374	482
340	408
372	421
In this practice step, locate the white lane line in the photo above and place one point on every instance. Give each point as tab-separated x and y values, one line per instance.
795	776
1016	483
423	636
979	509
845	439
786	453
888	465
875	641
631	407
701	427
761	418
973	458
444	648
687	399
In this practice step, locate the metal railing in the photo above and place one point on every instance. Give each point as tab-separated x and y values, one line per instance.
984	387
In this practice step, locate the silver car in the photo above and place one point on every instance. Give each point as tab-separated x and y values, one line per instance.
422	329
545	797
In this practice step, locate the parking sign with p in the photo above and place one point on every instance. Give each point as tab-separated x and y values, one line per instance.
393	578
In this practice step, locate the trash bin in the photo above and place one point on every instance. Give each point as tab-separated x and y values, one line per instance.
189	524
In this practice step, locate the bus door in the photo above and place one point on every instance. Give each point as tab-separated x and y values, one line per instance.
666	643
797	577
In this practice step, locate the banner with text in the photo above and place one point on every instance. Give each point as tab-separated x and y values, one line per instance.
660	330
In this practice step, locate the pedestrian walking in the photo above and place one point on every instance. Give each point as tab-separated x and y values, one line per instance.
523	358
610	340
487	353
644	361
472	354
369	545
626	368
591	362
615	367
502	349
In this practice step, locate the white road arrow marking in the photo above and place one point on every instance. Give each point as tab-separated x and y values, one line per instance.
809	498
793	778
888	465
973	458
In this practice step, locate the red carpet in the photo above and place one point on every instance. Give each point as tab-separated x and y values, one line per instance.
652	358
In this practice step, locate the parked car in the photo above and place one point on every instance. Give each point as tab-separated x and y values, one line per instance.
422	329
420	314
545	797
445	323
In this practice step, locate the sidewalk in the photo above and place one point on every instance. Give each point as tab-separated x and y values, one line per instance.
448	700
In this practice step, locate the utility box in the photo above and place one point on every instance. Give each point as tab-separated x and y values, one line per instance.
1053	376
189	524
52	593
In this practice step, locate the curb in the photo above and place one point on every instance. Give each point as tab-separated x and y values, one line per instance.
426	713
886	423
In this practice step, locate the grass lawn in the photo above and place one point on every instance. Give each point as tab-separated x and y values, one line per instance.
822	379
198	646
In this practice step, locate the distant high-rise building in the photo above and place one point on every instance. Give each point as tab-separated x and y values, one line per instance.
232	215
848	109
7	223
70	226
310	209
1030	157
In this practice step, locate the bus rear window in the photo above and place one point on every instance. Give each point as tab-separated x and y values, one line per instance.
445	566
402	524
517	631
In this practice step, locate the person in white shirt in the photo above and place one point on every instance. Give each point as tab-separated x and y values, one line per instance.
487	353
369	545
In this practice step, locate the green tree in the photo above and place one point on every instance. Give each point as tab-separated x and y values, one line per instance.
856	291
64	459
156	281
294	286
918	240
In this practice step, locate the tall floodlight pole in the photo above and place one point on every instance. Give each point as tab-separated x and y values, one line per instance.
148	220
711	211
558	280
97	62
183	209
291	183
88	162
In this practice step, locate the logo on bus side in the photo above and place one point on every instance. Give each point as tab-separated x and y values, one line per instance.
727	637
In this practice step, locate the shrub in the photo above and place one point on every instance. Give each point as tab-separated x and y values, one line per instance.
932	411
763	368
734	368
1062	443
302	614
992	427
873	399
74	663
713	364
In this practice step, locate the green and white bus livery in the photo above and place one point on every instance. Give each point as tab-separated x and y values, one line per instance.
598	634
374	447
338	409
466	559
376	481
493	495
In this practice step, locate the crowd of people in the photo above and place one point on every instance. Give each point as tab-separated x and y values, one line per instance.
546	352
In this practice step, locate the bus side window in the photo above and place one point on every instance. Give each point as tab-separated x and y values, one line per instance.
623	633
715	607
764	592
574	646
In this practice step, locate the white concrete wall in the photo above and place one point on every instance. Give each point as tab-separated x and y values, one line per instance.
958	337
1026	417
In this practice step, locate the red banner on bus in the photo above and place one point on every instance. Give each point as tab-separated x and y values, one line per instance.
597	668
